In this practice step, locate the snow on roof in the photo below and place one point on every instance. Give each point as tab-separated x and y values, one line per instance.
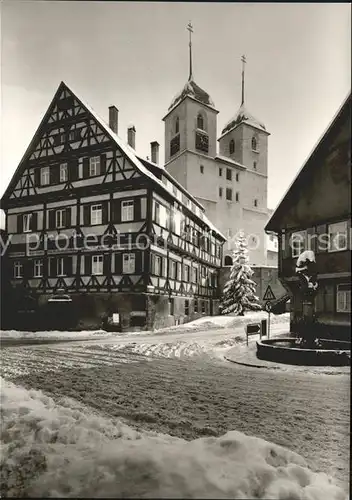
191	89
229	160
131	155
243	115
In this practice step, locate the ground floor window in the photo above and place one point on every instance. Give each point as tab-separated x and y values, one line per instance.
343	298
196	306
172	306
186	307
203	306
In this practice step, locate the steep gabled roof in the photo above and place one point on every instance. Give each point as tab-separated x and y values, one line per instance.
296	185
125	148
243	116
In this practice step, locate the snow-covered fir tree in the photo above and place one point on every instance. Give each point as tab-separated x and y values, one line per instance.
239	292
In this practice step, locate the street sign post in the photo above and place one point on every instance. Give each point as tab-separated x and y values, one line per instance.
253	329
268	297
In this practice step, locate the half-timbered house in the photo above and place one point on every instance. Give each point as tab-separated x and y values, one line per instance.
116	233
315	215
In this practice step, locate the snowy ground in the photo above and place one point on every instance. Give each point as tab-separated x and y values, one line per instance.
175	382
65	450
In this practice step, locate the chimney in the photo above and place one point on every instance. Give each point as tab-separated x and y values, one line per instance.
154	149
131	136
113	118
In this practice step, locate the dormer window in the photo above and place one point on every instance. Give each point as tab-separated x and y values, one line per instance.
232	146
254	144
200	122
177	125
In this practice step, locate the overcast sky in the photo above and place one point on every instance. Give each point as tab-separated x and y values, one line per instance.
135	55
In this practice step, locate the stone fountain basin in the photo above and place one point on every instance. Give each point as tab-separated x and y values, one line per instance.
285	350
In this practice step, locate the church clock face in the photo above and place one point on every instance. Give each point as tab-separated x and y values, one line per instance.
202	142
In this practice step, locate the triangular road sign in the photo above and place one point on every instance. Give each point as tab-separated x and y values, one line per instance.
268	295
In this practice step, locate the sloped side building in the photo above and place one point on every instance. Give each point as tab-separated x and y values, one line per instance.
315	214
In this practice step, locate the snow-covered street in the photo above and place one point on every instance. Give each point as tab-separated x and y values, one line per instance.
177	383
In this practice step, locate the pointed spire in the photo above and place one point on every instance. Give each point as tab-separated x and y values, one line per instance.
243	59
190	29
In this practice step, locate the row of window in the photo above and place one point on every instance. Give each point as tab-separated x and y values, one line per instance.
71	136
196	308
332	239
237	196
174	221
62	266
93	215
181	272
228	173
56	174
200	123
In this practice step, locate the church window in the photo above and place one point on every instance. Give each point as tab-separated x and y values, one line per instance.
177	125
201	169
255	165
237	196
175	145
229	194
200	121
255	203
254	144
232	146
237	177
220	192
220	172
229	174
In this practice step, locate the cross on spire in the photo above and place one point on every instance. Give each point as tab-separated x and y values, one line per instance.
190	29
243	59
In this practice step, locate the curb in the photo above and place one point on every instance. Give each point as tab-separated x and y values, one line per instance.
251	364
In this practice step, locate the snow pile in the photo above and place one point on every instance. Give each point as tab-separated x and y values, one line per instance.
54	334
63	451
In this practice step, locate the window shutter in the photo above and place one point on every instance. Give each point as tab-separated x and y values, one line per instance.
116	206
68	266
311	239
52	223
73	170
105	212
54	174
37	176
86	215
88	265
20	223
106	264
137	209
322	240
138	262
34	221
85	168
118	263
52	266
68	221
102	164
286	242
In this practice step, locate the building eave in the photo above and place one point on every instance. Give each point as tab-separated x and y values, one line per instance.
274	222
230	162
248	125
192	99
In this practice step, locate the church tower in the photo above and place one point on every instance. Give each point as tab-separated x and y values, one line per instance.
245	139
190	131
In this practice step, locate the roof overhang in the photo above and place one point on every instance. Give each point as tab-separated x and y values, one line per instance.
274	223
192	99
243	123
